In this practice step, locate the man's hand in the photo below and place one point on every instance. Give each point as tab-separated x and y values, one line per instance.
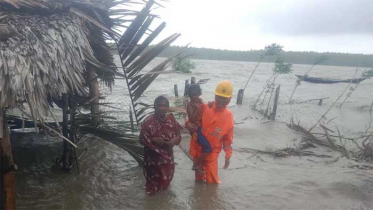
226	165
191	127
158	140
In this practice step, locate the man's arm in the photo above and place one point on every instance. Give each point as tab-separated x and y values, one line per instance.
227	147
190	126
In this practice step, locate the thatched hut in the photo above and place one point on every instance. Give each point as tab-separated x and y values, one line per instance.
50	49
56	51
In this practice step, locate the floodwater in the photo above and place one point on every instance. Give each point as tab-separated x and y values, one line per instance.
110	179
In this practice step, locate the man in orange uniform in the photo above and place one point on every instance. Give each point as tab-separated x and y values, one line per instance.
217	127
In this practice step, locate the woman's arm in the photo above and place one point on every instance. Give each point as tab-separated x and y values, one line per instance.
174	141
177	138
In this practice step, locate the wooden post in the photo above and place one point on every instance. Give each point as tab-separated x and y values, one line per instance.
193	81
239	97
73	157
7	167
320	102
273	114
65	132
176	91
186	87
94	94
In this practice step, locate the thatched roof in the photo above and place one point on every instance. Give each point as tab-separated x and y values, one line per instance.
45	47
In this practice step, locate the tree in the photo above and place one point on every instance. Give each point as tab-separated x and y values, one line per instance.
367	74
270	50
181	64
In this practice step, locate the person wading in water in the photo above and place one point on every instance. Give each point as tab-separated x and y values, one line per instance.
217	127
159	133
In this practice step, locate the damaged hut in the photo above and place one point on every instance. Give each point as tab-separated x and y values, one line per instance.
55	52
48	50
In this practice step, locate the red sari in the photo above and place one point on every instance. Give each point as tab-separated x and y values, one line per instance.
159	163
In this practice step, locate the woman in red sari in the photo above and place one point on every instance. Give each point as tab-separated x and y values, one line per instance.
159	133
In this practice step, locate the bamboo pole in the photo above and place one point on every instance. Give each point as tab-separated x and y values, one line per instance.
7	192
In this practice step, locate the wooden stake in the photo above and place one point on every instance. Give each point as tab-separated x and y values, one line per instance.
186	87
193	81
176	91
273	114
239	97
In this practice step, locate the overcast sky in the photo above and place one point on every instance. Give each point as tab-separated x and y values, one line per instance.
298	25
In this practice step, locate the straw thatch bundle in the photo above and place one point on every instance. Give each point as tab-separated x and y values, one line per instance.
45	57
45	47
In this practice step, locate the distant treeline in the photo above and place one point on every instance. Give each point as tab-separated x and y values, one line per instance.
334	59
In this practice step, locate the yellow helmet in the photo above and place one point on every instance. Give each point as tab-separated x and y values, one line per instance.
224	89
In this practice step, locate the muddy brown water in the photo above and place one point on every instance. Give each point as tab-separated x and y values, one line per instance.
111	179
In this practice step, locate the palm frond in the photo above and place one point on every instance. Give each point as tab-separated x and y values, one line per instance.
125	140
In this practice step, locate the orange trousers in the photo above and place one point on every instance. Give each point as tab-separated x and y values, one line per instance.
209	165
210	169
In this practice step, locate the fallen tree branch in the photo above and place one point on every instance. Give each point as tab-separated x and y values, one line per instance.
286	152
310	137
347	138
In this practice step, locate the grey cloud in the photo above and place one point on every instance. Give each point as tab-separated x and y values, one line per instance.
310	17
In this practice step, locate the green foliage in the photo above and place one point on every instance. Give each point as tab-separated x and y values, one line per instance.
282	68
273	49
367	74
183	65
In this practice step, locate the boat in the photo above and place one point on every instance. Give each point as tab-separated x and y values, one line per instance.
328	81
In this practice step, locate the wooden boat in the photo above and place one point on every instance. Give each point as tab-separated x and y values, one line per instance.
328	81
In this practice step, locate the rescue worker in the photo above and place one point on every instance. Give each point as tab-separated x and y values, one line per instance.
217	127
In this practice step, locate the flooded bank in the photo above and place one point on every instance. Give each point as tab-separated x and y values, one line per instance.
111	179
